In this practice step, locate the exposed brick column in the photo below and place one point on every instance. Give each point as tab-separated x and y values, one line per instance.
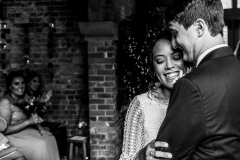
102	51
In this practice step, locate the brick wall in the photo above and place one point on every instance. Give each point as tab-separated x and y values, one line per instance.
111	10
102	99
58	54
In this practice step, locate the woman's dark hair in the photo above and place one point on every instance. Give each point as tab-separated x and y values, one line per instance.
10	78
30	75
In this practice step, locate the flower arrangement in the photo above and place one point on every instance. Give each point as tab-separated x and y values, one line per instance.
33	105
82	124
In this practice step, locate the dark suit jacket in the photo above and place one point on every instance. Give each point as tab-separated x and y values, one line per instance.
203	117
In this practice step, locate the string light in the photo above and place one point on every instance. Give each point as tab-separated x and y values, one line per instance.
26	59
3	25
136	41
51	25
3	44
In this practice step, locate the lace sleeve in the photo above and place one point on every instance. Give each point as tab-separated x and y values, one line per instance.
133	139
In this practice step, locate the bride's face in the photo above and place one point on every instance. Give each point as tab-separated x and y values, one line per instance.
17	86
168	63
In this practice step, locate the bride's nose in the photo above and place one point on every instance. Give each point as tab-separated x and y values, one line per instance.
169	65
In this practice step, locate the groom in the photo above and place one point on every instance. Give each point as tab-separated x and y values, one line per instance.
203	117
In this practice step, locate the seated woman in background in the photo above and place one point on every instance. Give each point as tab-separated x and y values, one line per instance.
21	130
34	89
147	111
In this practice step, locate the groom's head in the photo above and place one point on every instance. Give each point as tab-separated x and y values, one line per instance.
193	23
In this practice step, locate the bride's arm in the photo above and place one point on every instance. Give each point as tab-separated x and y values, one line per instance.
133	139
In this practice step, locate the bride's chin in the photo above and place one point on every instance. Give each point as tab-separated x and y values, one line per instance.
168	85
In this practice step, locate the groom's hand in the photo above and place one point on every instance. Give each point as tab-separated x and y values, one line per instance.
152	154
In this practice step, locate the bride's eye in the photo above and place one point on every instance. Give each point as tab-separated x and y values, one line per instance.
159	61
177	57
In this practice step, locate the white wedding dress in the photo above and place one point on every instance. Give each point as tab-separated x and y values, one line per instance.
143	120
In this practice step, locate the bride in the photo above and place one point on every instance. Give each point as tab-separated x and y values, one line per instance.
147	111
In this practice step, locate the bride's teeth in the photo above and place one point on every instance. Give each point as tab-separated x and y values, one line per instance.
171	75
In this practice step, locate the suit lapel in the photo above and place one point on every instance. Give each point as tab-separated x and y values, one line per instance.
217	53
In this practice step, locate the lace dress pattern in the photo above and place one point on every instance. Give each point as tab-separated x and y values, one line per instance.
143	120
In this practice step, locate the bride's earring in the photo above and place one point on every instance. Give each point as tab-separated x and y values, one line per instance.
156	85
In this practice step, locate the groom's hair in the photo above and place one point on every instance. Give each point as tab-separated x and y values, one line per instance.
186	12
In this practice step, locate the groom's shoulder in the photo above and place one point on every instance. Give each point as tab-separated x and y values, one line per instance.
214	71
194	74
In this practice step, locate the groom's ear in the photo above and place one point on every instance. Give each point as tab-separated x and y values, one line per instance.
200	27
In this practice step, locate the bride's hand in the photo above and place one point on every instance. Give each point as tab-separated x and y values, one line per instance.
152	154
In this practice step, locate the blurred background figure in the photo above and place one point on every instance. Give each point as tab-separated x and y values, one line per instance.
35	144
35	88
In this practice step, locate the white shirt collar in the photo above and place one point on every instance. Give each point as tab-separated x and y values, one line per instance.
200	58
